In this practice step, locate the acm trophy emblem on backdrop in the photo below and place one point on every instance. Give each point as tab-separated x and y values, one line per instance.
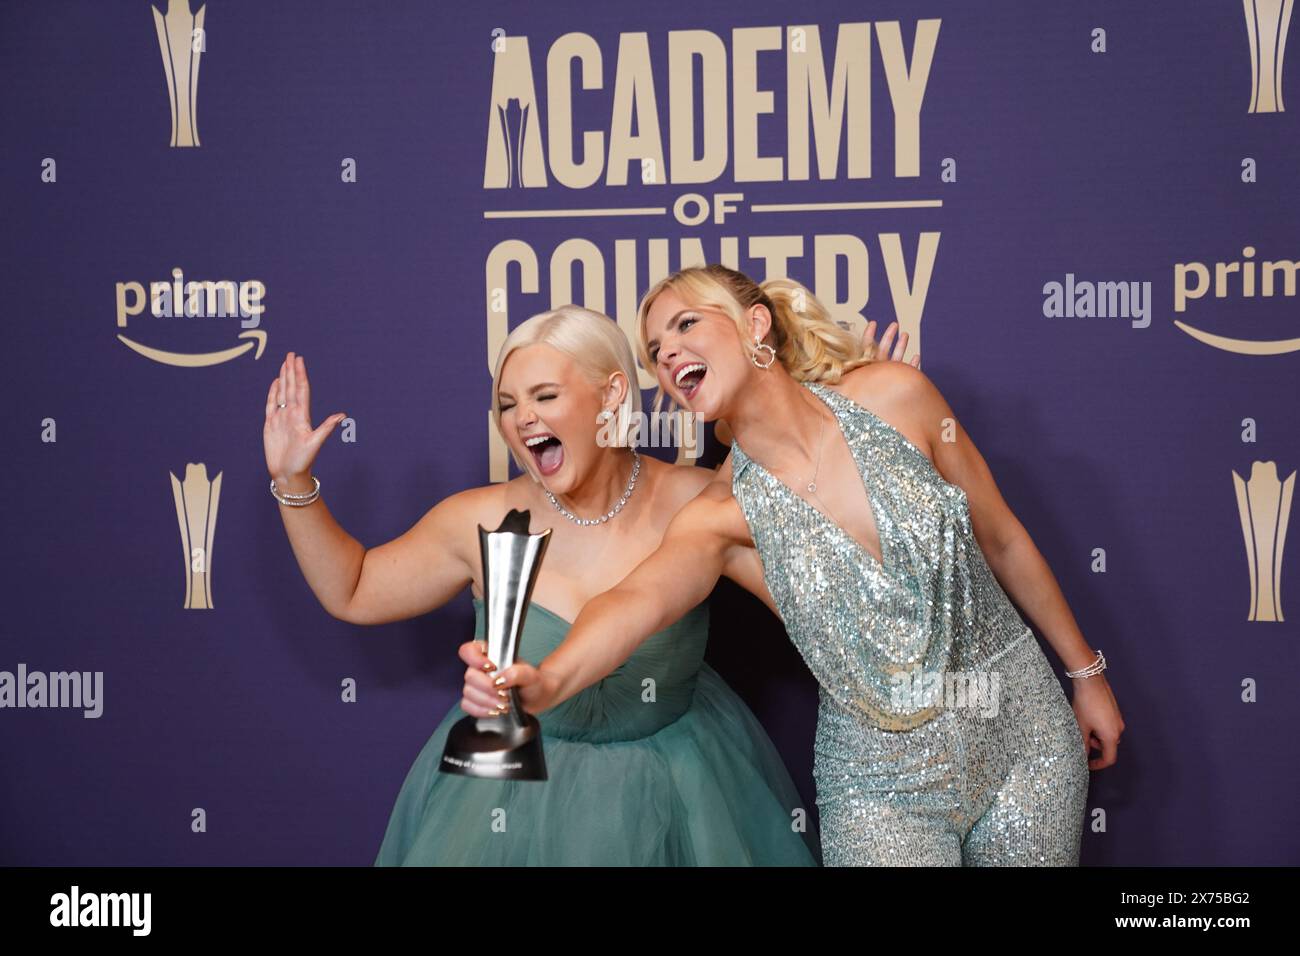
181	40
196	501
509	746
1267	22
1264	505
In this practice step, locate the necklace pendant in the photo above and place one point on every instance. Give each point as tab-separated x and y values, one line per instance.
812	486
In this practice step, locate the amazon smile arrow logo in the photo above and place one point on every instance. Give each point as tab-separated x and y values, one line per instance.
196	360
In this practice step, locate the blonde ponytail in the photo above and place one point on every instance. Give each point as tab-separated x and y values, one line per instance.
808	342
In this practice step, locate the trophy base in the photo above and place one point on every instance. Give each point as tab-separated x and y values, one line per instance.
495	748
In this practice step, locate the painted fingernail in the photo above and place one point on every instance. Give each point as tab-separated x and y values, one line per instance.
503	694
499	681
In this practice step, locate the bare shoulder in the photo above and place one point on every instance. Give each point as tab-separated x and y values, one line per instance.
680	483
485	504
902	396
884	383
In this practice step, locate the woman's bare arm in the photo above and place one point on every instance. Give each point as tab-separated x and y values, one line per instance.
408	576
419	571
696	549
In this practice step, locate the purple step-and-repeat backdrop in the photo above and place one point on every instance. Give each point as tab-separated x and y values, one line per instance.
1078	212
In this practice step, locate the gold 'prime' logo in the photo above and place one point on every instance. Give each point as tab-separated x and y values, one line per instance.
181	41
222	298
1192	280
196	512
1264	504
1266	28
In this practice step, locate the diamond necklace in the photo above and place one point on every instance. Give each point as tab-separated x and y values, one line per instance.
618	505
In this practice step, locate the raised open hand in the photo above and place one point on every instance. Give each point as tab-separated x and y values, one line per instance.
291	443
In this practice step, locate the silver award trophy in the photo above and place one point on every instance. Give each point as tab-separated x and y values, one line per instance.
507	747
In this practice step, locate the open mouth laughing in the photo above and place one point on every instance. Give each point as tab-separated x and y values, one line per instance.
548	452
688	377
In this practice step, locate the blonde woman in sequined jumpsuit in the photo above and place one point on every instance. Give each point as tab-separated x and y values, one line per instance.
854	495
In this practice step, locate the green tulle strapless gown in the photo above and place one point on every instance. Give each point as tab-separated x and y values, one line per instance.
674	773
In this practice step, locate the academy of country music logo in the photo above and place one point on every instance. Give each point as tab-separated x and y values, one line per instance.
709	170
181	41
1267	22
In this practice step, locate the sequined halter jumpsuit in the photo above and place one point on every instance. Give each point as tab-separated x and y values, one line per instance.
943	736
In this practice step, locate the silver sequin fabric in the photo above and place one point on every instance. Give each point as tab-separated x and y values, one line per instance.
943	737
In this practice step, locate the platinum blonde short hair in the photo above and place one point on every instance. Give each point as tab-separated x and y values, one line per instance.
596	345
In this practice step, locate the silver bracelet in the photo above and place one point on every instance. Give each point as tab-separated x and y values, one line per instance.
299	500
1096	667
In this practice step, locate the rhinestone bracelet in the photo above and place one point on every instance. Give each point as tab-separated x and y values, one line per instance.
300	500
1096	667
